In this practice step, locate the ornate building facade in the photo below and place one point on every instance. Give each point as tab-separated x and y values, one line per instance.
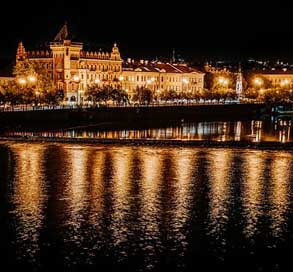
72	69
159	76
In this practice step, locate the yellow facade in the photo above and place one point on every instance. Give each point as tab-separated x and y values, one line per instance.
280	79
72	69
159	76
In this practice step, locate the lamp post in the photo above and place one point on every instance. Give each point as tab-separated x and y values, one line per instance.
76	80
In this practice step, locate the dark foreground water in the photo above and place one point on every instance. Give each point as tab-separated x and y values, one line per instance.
105	208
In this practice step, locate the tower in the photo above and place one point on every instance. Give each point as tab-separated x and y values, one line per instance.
239	86
20	53
173	56
66	55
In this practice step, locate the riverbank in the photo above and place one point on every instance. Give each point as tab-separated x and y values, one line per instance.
61	118
270	145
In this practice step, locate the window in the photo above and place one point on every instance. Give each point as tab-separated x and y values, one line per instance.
67	51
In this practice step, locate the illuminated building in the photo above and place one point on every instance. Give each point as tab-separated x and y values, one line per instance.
73	69
158	76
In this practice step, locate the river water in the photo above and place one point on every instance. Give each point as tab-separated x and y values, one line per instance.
112	208
277	130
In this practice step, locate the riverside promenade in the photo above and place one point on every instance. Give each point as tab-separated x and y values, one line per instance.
82	116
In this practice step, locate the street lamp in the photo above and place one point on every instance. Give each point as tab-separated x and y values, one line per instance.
284	82
22	81
223	81
32	79
258	82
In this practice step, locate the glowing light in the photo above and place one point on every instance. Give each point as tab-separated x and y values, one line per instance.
185	80
258	81
32	79
284	82
97	81
223	81
149	81
121	78
76	78
22	81
152	79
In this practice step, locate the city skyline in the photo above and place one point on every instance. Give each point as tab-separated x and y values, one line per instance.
220	31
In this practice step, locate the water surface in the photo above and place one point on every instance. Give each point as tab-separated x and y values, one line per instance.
112	208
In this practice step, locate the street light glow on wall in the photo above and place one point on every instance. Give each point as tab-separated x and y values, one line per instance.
22	81
185	80
258	81
32	79
76	78
284	82
223	81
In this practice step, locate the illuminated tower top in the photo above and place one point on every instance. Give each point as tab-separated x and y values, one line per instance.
20	53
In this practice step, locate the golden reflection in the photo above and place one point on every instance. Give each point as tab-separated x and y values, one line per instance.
122	161
29	195
150	183
280	191
237	131
256	130
96	191
183	167
76	187
151	171
252	190
219	171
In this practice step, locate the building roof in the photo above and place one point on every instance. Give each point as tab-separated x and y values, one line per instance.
155	66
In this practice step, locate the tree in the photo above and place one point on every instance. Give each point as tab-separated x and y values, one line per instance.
119	95
33	88
142	95
168	95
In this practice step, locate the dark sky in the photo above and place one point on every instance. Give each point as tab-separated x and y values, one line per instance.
154	28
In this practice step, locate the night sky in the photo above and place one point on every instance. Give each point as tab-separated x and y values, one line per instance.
150	28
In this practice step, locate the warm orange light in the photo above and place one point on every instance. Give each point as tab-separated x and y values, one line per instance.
223	81
185	80
284	82
258	81
32	79
22	81
76	78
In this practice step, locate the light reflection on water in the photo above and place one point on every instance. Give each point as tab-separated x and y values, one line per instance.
28	198
139	206
278	130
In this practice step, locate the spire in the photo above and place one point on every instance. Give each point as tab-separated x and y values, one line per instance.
62	34
173	56
239	83
20	53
